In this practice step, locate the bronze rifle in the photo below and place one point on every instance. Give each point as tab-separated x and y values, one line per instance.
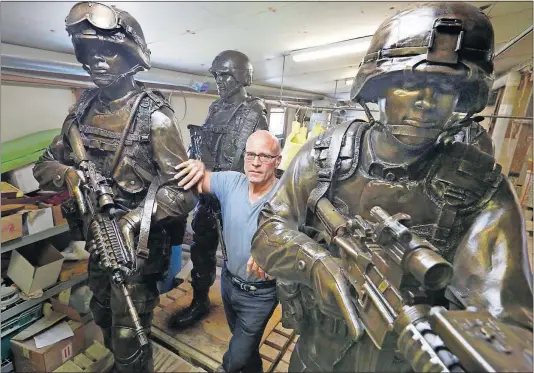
99	211
395	278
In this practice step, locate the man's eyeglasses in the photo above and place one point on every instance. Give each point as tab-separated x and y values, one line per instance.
264	158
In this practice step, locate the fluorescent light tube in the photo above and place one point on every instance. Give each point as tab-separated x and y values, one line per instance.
331	52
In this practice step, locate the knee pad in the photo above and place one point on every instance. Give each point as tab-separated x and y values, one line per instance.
128	354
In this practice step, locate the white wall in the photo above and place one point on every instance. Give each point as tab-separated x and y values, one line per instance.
29	109
195	109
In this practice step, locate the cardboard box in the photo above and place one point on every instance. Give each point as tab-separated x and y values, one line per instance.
29	358
38	220
33	268
59	219
64	309
11	227
22	178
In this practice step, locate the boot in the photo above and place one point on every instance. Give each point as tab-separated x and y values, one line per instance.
200	306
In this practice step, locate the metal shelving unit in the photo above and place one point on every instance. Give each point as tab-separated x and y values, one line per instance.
49	293
8	367
26	240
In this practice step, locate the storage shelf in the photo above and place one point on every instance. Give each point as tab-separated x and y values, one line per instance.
8	367
26	240
49	293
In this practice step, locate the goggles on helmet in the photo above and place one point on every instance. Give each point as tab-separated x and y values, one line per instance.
99	15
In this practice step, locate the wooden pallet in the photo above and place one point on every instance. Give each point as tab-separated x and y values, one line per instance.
97	358
277	348
205	343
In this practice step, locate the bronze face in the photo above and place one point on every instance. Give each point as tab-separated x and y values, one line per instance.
107	64
421	103
227	85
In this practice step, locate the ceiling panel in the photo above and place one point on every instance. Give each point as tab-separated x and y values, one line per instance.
186	36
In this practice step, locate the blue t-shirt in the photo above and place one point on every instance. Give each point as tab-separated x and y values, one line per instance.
239	218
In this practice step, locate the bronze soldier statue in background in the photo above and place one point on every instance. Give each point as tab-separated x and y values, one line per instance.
422	65
220	144
129	134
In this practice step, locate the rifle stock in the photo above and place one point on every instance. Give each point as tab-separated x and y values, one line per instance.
395	276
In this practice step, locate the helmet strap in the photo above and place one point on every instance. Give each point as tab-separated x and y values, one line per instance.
368	114
132	71
232	92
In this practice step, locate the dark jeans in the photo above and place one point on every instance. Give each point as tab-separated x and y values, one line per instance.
247	313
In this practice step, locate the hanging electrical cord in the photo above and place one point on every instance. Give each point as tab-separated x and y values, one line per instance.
283	72
185	113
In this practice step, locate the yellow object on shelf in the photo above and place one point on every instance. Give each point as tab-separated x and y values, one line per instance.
8	188
293	143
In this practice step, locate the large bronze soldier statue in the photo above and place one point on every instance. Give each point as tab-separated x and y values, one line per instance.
129	133
220	144
423	64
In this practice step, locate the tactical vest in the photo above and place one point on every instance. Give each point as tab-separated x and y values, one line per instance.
132	179
221	145
458	180
136	169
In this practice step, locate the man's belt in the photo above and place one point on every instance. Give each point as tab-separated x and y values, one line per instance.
250	286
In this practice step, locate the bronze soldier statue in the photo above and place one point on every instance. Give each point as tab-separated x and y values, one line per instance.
422	64
128	133
220	144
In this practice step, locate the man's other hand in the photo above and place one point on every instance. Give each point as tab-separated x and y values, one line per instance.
191	174
252	266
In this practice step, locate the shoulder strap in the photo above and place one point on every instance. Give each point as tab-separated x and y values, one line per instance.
146	218
125	132
85	99
326	175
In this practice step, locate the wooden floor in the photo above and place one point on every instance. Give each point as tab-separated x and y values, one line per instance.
204	344
167	361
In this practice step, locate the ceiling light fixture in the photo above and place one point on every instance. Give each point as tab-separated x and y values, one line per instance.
349	81
340	49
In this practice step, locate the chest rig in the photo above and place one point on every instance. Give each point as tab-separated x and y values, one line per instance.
126	157
135	169
458	178
221	145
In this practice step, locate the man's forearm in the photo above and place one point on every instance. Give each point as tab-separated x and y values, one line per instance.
204	186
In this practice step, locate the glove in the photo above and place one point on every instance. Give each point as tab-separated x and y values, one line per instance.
332	292
130	225
74	180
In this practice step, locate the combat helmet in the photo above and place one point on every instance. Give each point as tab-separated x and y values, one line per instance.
110	24
450	38
234	63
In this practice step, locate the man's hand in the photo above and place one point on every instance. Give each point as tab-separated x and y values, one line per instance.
252	266
192	173
74	181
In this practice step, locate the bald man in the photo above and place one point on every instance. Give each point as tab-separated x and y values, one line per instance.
249	295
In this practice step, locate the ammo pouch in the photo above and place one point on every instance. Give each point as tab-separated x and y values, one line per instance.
297	304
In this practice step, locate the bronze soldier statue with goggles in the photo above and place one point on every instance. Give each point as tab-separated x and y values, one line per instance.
124	137
416	160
